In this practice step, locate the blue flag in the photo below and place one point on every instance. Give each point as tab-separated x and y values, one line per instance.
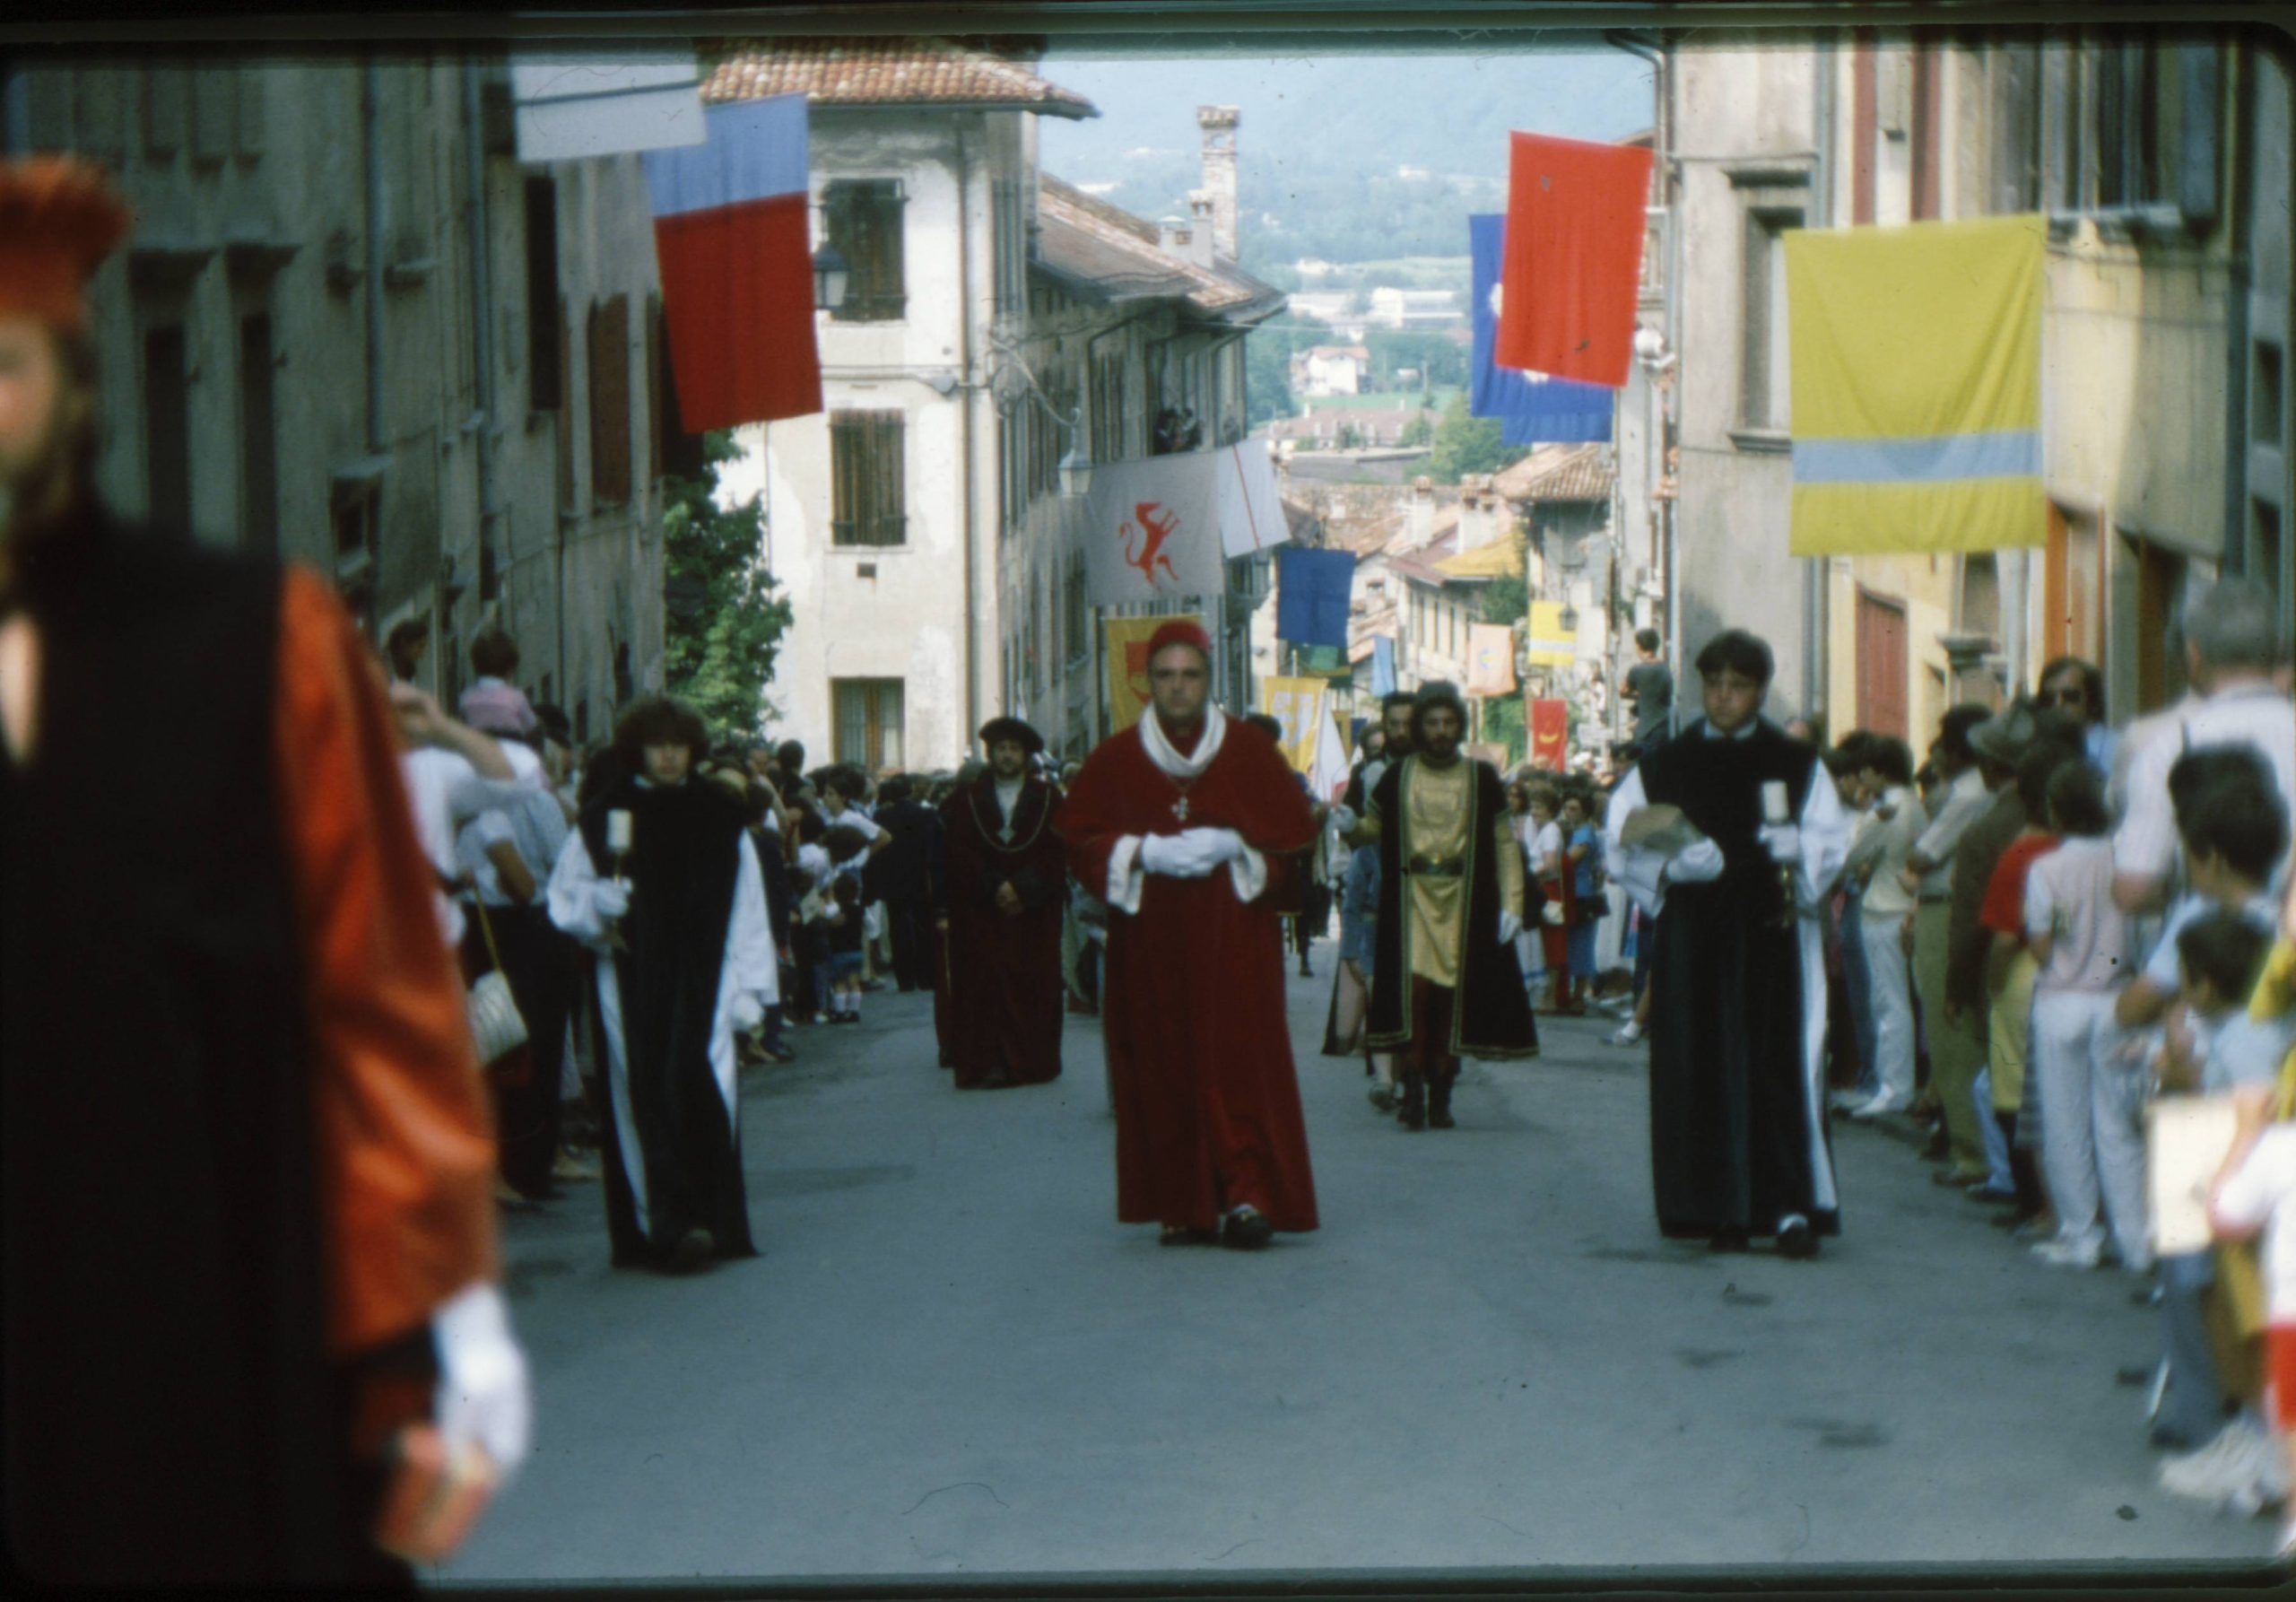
1530	411
1382	665
1312	595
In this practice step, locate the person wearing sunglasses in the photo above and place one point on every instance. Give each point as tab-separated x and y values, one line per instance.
2077	689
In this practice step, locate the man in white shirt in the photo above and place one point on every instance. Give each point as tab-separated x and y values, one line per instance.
453	773
2231	646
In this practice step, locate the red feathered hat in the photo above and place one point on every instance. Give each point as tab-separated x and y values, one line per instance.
59	219
1181	631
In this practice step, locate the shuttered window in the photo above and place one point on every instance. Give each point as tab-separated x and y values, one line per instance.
610	401
864	226
868	506
869	714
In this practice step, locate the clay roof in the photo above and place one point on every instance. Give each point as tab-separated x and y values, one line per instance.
1561	473
1086	239
880	72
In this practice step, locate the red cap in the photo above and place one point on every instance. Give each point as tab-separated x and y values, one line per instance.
1181	631
59	219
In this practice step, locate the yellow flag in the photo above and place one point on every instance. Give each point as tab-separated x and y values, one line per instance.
1294	703
1128	638
1551	644
1916	384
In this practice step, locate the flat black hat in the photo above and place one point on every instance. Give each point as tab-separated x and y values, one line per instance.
1012	728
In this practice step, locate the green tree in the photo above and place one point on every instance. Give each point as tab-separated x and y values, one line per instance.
724	617
1466	445
1417	431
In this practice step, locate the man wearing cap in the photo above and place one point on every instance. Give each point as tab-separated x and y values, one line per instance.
1002	894
253	1337
1738	1143
1178	823
1445	980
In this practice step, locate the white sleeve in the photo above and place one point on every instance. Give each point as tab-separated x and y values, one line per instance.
1825	837
1638	870
1248	872
2041	900
750	960
2254	1188
573	879
2146	843
1127	877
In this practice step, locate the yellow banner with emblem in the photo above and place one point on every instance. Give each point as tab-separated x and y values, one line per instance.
1127	644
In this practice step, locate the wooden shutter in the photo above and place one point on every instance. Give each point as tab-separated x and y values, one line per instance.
610	401
545	348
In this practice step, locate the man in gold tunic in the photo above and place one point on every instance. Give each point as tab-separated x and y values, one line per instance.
1446	982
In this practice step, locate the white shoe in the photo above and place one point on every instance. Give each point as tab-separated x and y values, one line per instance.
2233	1469
1631	1035
1882	1103
2071	1252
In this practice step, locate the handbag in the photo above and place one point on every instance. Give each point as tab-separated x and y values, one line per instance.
497	1028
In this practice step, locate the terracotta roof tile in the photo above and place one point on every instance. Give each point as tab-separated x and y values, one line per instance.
880	72
1574	473
1085	236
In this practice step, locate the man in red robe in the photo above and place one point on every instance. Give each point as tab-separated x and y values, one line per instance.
1178	823
1005	890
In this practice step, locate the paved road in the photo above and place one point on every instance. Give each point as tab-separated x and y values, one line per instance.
952	1358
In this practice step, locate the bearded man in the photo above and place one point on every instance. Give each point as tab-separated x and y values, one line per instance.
1179	822
1004	894
1447	983
253	1337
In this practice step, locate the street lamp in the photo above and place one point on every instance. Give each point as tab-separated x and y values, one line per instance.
831	276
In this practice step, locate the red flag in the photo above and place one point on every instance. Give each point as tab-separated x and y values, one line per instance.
737	278
1550	734
1573	258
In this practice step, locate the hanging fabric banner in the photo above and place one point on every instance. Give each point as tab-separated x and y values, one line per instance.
1550	735
1128	665
1915	370
1532	408
1312	590
1573	264
1152	529
1491	659
1551	644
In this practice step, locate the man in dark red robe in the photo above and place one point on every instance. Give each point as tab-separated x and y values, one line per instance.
1178	823
1003	891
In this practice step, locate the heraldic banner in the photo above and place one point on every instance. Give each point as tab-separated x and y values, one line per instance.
1151	529
1128	644
1312	742
1917	387
1550	735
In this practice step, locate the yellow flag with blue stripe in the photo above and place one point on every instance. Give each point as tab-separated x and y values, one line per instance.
1915	376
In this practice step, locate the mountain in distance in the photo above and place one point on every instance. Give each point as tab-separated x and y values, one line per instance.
1345	158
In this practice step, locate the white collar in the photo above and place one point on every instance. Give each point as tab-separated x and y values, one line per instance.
1745	732
1170	762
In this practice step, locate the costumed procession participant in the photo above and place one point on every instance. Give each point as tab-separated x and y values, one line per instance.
1347	1025
1181	818
685	961
1002	894
1733	875
1447	982
252	1337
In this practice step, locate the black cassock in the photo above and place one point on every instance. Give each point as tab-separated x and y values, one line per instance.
1737	1132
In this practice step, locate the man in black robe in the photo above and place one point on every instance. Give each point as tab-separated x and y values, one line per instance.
1002	892
900	877
1738	1142
1446	982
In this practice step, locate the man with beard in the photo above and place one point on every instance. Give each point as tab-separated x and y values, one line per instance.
1179	822
1003	891
1738	1003
250	1252
1345	1029
685	961
1447	983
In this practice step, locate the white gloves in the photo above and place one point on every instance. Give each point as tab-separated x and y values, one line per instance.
1509	926
484	1398
1553	913
610	898
1191	854
1344	817
746	1013
1783	841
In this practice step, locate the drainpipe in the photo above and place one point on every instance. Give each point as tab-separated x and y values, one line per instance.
972	718
1814	652
371	140
2239	129
483	317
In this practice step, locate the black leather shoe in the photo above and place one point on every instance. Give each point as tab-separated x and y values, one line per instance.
1247	1231
1439	1117
1181	1235
1411	1118
1797	1239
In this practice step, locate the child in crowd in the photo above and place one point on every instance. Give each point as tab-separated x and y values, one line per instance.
2233	824
2223	1052
2010	968
843	918
810	943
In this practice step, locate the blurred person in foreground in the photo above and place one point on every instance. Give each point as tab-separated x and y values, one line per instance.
1179	822
253	1335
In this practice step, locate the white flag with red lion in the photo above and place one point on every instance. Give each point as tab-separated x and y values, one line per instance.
1151	529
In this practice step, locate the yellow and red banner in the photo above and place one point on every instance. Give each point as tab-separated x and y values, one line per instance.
1549	725
1128	649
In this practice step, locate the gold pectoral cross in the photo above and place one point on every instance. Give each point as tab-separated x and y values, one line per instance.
1180	808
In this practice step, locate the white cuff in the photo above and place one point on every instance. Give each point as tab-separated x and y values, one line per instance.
1127	877
484	1398
1248	872
1698	864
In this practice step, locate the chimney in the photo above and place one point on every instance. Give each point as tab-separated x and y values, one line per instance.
1219	125
1174	237
1475	515
1420	526
1200	222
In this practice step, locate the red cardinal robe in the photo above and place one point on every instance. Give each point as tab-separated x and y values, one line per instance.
1208	1101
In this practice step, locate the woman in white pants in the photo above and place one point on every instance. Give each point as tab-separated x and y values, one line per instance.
2092	1150
1886	907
